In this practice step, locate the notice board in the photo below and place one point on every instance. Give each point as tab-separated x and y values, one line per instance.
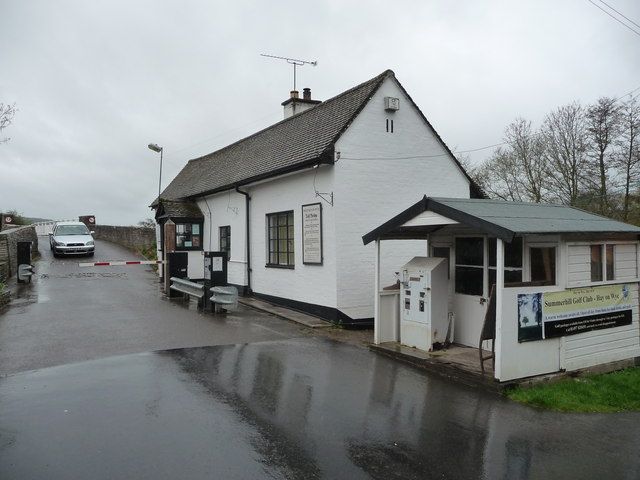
572	311
312	234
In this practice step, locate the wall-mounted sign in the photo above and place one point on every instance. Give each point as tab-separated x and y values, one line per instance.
216	264
573	311
312	234
88	220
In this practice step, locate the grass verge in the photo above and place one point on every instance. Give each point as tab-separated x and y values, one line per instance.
609	392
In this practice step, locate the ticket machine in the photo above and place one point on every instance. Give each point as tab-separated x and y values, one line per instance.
423	302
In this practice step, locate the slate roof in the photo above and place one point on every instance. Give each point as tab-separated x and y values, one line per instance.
297	142
178	209
500	218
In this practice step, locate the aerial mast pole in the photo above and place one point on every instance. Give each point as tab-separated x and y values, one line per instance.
292	61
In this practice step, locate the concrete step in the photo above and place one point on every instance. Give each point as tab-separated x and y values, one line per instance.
286	313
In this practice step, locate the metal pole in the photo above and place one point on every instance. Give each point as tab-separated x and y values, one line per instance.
160	180
497	359
376	299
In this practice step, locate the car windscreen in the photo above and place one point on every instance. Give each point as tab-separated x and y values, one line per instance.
72	230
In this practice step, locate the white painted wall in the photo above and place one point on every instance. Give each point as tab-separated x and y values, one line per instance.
305	283
602	346
370	192
222	209
572	352
518	360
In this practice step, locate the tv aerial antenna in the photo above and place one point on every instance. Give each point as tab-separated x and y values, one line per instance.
293	61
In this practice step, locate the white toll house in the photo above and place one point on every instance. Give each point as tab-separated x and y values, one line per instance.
536	288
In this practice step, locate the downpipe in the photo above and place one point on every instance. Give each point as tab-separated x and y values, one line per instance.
247	205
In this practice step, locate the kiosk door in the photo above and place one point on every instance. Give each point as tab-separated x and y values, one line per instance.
469	299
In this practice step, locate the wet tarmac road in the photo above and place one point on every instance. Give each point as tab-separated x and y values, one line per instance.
70	314
301	408
285	405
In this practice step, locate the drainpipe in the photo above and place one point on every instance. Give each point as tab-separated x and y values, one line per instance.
207	204
247	200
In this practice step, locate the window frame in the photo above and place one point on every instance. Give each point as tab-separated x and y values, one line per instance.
584	283
288	240
227	238
494	268
527	259
200	235
483	267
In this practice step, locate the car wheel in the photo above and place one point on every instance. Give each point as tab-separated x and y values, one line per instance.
91	254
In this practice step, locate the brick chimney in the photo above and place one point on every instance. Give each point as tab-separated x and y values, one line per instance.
294	104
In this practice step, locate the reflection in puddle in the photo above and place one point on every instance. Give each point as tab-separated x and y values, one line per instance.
331	410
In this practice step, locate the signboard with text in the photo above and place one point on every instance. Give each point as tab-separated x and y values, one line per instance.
573	311
312	234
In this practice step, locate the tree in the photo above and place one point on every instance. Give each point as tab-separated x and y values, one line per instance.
498	176
516	171
564	140
603	127
627	159
7	113
147	223
526	149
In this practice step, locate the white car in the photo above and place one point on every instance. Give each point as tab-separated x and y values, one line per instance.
71	238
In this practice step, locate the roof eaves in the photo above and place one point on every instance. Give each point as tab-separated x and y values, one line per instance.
325	158
403	217
470	220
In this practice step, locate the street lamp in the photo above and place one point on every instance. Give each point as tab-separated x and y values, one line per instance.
156	148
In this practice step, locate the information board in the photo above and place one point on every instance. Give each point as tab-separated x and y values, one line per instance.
312	234
572	311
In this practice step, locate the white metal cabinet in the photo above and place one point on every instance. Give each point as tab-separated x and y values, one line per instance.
423	302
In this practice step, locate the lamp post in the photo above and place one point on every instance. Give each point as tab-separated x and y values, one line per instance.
156	148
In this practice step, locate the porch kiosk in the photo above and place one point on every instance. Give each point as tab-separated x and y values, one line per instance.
564	282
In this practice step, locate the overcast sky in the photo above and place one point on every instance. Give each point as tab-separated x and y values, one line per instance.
95	82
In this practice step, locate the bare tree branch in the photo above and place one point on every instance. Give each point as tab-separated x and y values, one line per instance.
7	112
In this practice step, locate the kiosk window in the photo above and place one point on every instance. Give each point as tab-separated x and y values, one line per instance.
470	265
543	264
610	250
188	236
596	263
600	267
512	261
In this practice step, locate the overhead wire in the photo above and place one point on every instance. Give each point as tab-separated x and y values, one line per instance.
620	13
614	17
455	152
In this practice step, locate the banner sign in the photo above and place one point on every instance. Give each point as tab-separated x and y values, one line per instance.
573	311
312	234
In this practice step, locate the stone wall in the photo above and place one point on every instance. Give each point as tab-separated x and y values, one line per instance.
8	248
130	237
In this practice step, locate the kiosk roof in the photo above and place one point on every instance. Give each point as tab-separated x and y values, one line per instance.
496	217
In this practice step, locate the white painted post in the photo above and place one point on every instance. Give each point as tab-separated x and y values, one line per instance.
499	294
376	298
